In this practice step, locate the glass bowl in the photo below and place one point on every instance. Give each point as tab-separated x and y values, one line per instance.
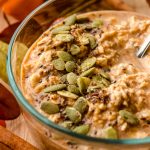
46	133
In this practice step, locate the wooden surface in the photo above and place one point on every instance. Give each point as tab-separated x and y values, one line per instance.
10	141
19	127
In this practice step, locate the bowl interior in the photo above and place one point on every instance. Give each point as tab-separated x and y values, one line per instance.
26	34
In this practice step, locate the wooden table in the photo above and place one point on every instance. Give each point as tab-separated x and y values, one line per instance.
18	126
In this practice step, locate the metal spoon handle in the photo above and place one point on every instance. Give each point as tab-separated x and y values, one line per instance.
144	47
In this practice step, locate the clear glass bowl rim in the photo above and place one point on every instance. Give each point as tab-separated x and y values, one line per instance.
41	118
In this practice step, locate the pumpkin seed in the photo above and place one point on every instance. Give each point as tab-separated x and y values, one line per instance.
63	32
66	124
81	104
75	49
67	94
71	20
73	89
82	129
105	82
49	108
63	78
70	66
59	64
105	75
64	56
64	37
86	26
97	78
83	83
88	72
92	41
97	23
72	78
88	63
110	133
54	88
61	29
100	81
93	88
129	117
84	40
73	114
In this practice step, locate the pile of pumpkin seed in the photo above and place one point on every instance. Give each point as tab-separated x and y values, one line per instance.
79	79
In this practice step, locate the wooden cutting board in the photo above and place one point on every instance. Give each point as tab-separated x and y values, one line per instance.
9	141
19	127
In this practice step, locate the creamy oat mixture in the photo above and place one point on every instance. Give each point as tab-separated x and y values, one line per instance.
82	74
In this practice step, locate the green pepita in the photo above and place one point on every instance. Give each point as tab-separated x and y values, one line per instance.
97	23
88	63
86	26
97	78
100	81
110	133
61	29
105	75
67	94
65	56
70	20
88	72
93	88
70	66
75	49
83	83
105	82
73	114
63	78
82	129
49	108
54	88
66	124
92	40
73	89
58	64
72	78
129	117
64	37
63	32
81	104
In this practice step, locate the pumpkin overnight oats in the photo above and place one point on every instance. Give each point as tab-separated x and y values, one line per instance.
82	74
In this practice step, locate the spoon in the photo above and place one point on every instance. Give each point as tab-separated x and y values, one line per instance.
144	47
